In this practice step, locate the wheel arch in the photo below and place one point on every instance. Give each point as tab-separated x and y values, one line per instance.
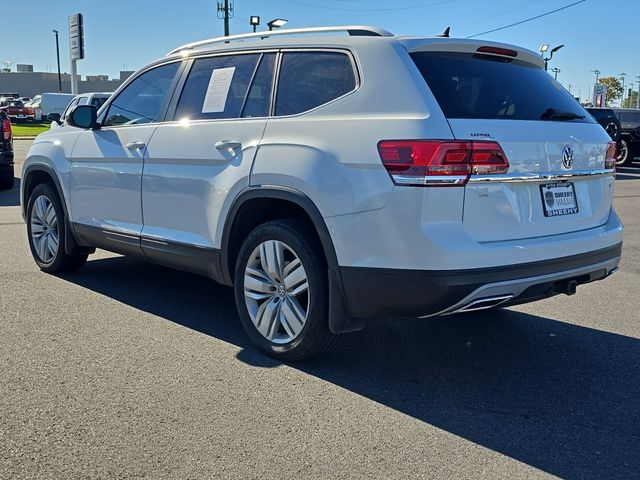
36	174
339	319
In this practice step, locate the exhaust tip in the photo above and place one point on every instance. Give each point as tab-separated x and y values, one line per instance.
483	303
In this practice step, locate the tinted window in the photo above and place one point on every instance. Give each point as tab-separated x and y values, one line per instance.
600	113
216	87
481	86
629	117
142	100
97	102
310	79
259	98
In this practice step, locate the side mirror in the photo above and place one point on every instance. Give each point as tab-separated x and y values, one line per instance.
83	116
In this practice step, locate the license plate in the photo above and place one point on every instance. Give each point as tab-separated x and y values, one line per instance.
559	199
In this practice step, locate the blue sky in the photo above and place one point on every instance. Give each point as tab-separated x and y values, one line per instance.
127	34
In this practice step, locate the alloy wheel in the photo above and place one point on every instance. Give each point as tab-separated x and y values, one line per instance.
276	291
44	229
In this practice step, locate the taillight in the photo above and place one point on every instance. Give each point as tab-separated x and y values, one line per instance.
498	51
6	129
440	162
611	156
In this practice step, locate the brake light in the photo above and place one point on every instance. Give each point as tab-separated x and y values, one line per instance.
498	51
6	129
440	162
611	156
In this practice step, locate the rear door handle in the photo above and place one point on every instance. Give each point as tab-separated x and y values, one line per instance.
228	145
136	145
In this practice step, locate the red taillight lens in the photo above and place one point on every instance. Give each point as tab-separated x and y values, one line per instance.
611	156
440	162
6	129
498	51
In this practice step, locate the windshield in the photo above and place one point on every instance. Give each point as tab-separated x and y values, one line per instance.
470	85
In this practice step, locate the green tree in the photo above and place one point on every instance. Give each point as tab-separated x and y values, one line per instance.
631	101
614	88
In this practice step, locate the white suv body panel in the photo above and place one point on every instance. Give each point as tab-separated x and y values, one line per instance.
180	189
189	184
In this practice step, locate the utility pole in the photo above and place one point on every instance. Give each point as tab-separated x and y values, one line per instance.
555	71
58	55
225	12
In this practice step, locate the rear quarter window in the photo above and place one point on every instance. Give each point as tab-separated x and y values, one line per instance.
310	79
478	86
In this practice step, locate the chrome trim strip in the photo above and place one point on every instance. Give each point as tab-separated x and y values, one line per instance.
482	304
542	176
430	180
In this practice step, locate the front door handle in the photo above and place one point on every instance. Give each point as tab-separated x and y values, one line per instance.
136	145
228	145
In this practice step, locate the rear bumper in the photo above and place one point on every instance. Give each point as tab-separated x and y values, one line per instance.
372	292
6	158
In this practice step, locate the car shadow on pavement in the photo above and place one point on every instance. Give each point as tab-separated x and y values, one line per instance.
11	198
559	397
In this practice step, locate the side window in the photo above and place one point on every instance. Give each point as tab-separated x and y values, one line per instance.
310	79
142	100
82	101
259	98
72	104
216	87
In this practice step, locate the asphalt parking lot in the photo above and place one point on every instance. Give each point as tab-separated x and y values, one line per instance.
129	370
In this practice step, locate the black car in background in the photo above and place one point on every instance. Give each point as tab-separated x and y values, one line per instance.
6	152
623	126
629	149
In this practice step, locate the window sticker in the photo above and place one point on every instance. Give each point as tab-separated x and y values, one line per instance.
218	90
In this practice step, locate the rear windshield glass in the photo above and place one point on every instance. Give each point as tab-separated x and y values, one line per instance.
481	86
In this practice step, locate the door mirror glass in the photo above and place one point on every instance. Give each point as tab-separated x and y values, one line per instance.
83	116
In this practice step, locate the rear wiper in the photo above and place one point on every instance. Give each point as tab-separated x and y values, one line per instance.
553	114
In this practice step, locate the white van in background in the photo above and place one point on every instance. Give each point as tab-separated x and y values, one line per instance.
92	98
53	105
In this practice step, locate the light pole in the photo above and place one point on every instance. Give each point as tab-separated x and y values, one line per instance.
597	72
254	21
555	71
638	96
276	23
622	75
58	56
543	49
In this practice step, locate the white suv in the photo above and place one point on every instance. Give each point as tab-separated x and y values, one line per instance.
333	175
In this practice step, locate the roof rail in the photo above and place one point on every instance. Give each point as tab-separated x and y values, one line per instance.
353	30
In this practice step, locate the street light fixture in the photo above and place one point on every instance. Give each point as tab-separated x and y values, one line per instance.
544	48
555	71
58	56
276	23
254	21
622	75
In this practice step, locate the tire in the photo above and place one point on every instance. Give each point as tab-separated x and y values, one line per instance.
46	232
612	126
284	319
7	178
623	155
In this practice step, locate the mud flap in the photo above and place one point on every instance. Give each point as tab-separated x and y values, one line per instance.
339	320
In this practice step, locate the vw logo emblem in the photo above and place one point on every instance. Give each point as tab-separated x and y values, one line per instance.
567	157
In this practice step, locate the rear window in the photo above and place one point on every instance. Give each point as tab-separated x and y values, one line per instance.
484	87
310	79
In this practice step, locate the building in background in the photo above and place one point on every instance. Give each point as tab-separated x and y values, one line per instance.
29	83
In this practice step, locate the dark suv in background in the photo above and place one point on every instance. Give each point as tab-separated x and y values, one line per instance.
629	146
6	152
623	126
